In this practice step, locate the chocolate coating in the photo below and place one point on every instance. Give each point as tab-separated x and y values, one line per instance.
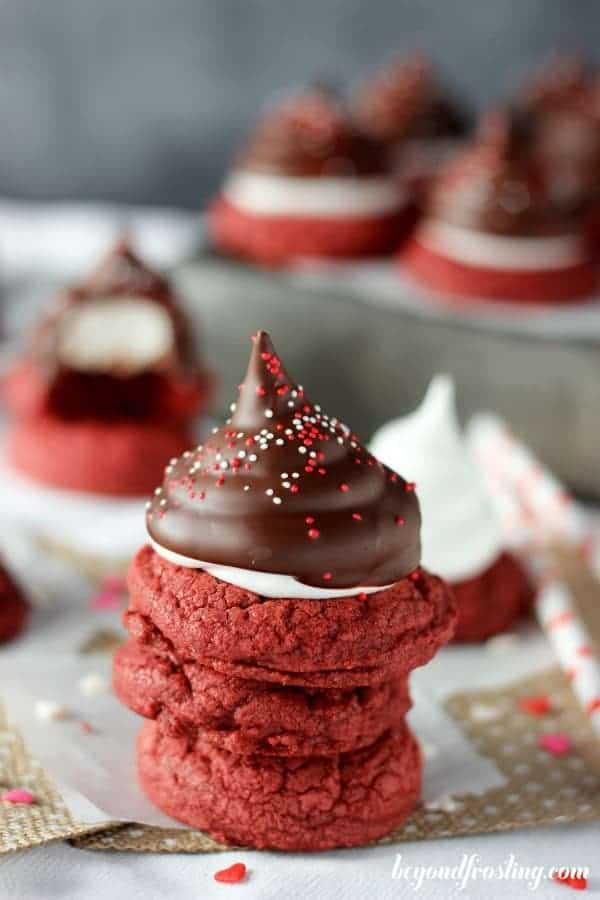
117	391
310	135
495	187
282	488
403	101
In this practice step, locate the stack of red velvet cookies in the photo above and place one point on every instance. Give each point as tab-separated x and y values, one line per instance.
274	622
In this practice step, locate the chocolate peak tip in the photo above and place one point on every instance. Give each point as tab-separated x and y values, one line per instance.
263	393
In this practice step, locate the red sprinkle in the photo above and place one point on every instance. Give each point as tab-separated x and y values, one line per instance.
309	520
294	489
231	875
537	705
572	881
362	596
18	795
556	744
260	391
313	533
410	486
357	516
327	576
220	481
344	487
399	520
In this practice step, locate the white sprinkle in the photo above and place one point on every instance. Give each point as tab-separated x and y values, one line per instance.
295	474
290	403
502	643
224	464
270	436
173	459
340	440
429	751
277	500
269	413
233	407
280	442
286	484
188	453
317	408
246	487
148	504
253	457
240	434
214	430
93	685
301	449
269	492
163	502
288	431
284	475
49	711
168	470
242	454
313	454
158	491
444	803
481	712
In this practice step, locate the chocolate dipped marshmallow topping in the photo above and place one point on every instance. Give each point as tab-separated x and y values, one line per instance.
284	500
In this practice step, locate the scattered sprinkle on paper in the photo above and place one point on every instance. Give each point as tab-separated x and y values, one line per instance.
444	803
85	727
577	882
482	712
502	643
105	600
18	795
93	685
113	584
536	705
557	744
231	875
49	711
429	751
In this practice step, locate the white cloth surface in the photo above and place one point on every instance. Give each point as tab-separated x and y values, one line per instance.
59	872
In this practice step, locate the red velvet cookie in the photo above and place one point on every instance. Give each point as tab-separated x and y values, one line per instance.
301	803
277	240
321	643
119	458
491	602
14	609
460	280
243	716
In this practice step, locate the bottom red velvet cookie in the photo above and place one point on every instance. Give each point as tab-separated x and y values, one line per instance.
458	279
276	240
14	609
117	458
244	716
491	602
299	803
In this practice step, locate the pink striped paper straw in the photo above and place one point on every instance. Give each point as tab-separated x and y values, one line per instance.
533	506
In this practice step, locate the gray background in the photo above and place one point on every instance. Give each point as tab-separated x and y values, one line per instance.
143	100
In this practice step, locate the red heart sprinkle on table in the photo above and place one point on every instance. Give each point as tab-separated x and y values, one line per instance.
18	795
577	883
536	705
556	744
231	875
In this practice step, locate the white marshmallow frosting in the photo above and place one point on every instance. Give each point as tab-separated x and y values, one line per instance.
107	334
460	532
498	251
280	195
267	584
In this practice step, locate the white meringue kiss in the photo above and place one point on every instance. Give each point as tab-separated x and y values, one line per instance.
460	532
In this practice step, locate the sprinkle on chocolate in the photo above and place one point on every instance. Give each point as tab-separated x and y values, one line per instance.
265	528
